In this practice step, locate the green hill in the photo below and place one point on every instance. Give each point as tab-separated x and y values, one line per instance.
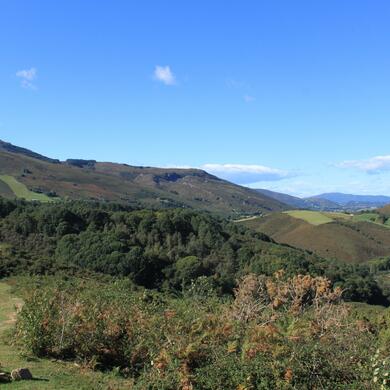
147	186
346	237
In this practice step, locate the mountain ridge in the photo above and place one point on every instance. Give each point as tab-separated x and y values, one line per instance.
147	186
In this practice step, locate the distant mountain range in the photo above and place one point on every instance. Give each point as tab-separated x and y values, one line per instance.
24	173
349	199
330	201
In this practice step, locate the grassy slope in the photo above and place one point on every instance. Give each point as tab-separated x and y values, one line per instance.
318	217
49	374
5	191
375	218
342	239
313	217
21	191
150	186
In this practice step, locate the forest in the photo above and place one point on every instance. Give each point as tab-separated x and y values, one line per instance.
158	249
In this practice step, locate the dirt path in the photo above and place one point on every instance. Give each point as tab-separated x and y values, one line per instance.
9	305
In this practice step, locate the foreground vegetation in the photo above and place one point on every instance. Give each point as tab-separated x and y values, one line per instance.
275	333
48	374
116	297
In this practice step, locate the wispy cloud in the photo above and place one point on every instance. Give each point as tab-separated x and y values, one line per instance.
249	98
27	76
235	84
243	87
372	165
164	75
245	174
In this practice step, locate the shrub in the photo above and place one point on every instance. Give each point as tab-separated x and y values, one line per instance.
277	333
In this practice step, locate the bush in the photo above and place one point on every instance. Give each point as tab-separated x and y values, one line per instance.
277	332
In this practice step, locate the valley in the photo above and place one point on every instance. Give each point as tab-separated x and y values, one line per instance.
101	256
194	195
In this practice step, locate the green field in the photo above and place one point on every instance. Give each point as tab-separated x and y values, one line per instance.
312	217
366	217
317	217
338	215
21	191
372	218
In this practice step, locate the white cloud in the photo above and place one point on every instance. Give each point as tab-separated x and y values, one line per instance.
175	166
249	98
245	174
27	76
164	74
372	165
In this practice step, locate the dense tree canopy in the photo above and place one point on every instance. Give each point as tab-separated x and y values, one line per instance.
163	249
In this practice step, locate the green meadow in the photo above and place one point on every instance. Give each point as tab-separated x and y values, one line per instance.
319	218
21	191
312	217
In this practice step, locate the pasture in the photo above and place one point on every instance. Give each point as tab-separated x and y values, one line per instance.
21	191
318	217
313	217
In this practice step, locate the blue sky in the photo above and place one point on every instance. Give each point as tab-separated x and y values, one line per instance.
288	95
